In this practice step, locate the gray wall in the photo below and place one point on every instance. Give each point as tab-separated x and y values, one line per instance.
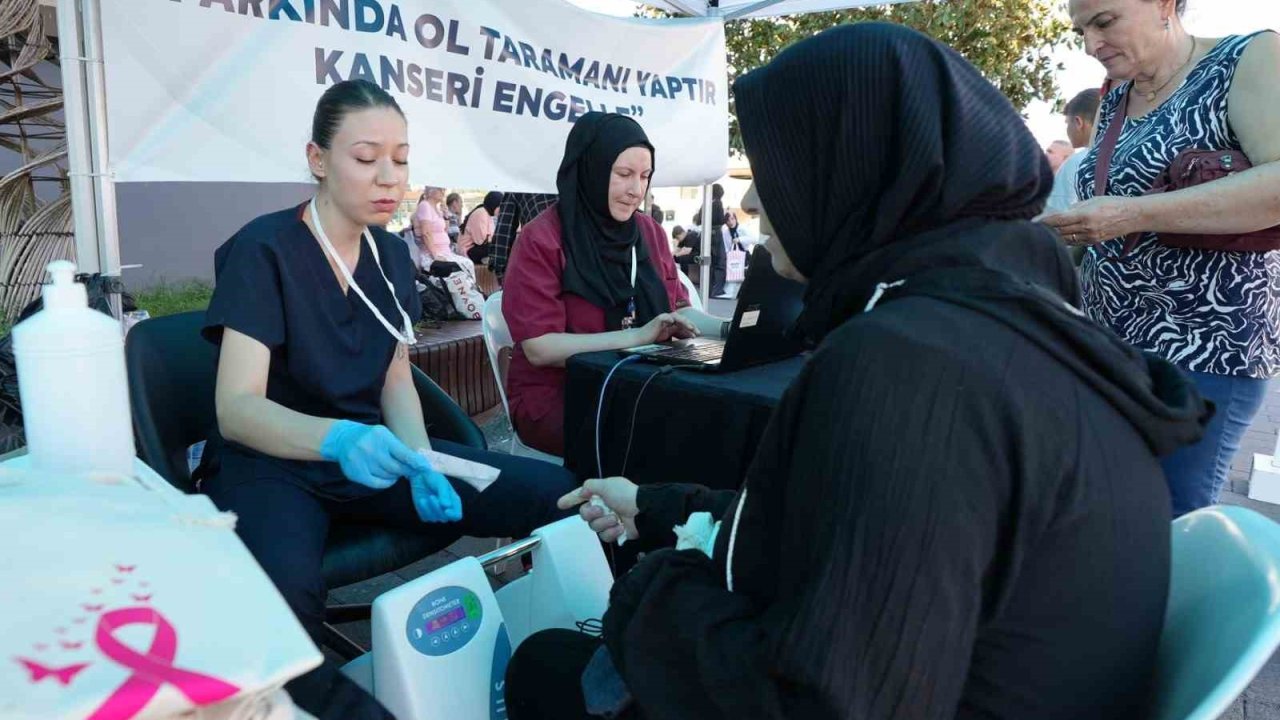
172	229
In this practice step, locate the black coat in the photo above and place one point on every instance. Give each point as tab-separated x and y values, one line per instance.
957	510
943	520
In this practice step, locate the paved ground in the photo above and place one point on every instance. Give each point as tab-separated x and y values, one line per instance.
1261	701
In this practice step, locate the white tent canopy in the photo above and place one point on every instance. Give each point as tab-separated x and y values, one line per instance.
735	9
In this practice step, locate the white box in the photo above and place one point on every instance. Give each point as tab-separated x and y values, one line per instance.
1264	480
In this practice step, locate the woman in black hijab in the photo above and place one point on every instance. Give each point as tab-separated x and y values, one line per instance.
590	273
597	246
957	511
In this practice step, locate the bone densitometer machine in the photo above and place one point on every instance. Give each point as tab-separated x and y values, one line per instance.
441	643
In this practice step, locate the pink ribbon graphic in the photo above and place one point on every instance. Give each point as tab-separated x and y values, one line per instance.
151	669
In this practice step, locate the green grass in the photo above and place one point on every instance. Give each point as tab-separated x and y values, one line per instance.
163	299
173	298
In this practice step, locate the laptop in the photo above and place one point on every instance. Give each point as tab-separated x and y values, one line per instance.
768	304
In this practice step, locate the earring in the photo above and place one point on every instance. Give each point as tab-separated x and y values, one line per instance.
1166	24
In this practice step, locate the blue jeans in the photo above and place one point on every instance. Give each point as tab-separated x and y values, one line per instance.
1196	473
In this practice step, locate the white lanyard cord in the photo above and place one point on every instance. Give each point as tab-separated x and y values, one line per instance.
633	268
406	336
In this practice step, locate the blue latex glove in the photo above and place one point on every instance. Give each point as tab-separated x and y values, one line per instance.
433	497
370	454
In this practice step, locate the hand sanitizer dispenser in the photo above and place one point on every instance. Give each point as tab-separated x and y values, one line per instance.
71	378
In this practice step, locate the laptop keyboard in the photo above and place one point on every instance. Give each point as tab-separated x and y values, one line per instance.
702	352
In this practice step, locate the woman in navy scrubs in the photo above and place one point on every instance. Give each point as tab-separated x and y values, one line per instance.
318	418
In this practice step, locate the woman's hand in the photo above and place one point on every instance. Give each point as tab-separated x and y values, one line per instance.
370	454
666	327
619	494
434	498
1096	220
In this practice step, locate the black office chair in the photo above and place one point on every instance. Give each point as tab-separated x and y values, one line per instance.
171	388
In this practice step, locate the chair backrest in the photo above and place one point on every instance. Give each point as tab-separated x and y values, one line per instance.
694	298
498	343
172	371
1222	622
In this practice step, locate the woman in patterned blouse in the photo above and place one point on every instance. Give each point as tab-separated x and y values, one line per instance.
1216	314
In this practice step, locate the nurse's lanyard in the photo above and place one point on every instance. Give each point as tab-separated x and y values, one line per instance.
630	318
406	336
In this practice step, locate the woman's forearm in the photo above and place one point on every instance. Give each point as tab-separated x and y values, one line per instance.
402	414
1241	203
708	325
271	428
553	349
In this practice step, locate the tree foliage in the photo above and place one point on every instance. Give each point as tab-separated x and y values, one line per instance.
1009	41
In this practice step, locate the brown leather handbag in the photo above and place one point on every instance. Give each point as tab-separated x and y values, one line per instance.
1189	168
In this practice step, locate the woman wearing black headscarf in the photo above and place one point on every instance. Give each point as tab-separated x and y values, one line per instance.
590	273
957	510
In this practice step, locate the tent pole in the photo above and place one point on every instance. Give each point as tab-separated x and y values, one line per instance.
704	261
79	146
93	197
104	184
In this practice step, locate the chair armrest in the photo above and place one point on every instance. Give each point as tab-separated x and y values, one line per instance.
444	418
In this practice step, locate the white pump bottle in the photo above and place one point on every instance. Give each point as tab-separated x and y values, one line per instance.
71	376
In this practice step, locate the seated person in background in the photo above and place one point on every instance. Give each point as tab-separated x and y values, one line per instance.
957	509
453	216
318	418
478	228
430	226
411	242
590	273
688	246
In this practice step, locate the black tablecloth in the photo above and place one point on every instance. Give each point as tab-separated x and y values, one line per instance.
691	426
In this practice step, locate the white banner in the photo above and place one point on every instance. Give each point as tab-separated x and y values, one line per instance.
223	90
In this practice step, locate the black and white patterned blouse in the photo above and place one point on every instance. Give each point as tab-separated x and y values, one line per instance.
1205	310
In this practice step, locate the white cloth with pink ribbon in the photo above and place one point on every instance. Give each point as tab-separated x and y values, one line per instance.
128	599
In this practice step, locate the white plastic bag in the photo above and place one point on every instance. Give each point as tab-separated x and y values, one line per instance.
735	266
467	298
127	599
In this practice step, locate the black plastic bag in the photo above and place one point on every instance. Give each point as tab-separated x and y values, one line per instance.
444	268
437	303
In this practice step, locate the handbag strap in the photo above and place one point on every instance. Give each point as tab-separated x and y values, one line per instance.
1102	167
1107	148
